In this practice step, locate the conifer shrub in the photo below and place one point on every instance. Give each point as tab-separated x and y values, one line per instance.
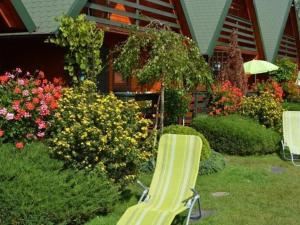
36	189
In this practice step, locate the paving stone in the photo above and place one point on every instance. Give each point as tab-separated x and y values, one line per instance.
220	194
277	169
204	214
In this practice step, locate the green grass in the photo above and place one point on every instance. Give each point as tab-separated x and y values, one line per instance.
291	106
257	196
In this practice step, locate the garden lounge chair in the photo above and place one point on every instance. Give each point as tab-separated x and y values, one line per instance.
171	191
291	135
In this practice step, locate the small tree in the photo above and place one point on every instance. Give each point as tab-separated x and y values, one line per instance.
158	54
82	41
233	69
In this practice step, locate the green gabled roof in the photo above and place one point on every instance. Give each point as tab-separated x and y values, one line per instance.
43	13
24	15
39	15
205	19
272	18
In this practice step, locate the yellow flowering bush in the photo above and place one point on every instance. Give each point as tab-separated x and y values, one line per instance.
91	131
265	108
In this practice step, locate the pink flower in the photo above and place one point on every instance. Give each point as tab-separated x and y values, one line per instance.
30	136
1	133
10	75
44	111
25	93
10	116
3	111
18	70
27	115
16	105
21	82
41	134
42	125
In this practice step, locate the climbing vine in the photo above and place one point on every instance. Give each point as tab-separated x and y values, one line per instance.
82	41
159	54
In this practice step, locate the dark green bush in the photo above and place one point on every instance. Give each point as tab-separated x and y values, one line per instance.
176	105
213	164
291	106
176	129
35	189
237	135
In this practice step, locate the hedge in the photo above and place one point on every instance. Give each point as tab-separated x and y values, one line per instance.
237	135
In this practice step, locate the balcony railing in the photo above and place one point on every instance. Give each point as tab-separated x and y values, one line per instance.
122	13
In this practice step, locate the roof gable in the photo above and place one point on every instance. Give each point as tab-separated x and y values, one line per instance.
272	19
43	13
205	19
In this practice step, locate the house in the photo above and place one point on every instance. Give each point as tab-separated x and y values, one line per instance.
266	31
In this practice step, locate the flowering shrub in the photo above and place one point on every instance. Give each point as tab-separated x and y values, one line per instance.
100	132
292	90
26	104
265	108
226	99
270	86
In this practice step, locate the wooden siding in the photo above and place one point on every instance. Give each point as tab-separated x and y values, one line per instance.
289	45
9	19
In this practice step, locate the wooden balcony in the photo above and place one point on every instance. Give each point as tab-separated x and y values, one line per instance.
121	13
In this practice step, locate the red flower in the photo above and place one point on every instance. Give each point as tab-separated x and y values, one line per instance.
45	81
57	95
17	90
57	81
30	106
37	82
1	133
4	79
53	105
41	75
19	145
36	100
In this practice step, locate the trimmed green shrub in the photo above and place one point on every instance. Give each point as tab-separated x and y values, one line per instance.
291	106
237	135
35	189
176	129
213	164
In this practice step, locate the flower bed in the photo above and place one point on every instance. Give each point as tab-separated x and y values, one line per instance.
26	104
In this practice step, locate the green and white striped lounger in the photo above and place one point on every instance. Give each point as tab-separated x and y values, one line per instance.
291	135
171	191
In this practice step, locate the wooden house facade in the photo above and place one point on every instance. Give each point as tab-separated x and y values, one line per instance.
265	31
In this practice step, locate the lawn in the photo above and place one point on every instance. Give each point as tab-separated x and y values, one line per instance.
256	194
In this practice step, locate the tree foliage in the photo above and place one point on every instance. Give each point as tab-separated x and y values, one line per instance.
287	69
82	41
158	54
233	70
162	55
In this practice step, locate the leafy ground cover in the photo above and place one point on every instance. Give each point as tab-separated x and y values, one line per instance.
256	194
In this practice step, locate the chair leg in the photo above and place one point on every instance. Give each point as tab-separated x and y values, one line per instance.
196	199
293	160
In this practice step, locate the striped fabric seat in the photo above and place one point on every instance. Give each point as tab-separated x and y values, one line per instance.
175	175
291	133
